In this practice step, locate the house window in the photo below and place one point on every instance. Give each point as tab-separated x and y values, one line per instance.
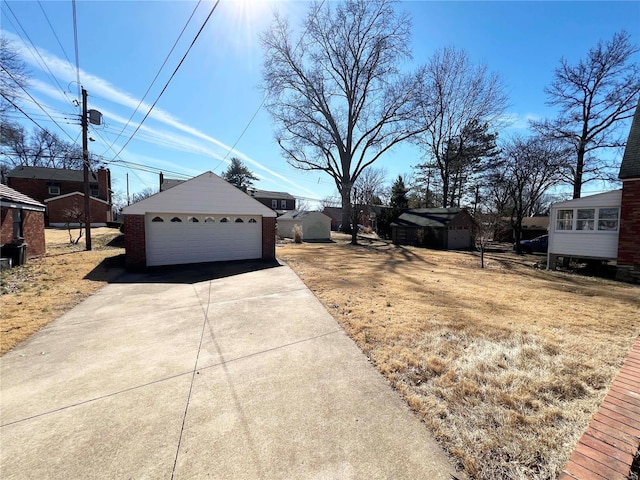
224	220
586	219
17	223
283	204
209	220
564	220
239	220
158	219
252	220
193	219
93	190
176	219
608	219
54	190
274	203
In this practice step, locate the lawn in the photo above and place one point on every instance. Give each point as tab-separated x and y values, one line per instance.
504	365
44	288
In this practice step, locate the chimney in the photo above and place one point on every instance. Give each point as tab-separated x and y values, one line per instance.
161	181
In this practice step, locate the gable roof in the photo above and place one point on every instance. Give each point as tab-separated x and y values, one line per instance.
300	214
427	217
43	173
630	167
254	192
13	199
66	195
206	193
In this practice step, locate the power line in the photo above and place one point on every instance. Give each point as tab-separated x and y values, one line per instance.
37	55
75	42
172	75
54	32
264	99
157	74
22	111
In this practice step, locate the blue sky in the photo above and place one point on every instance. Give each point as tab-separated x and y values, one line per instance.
215	93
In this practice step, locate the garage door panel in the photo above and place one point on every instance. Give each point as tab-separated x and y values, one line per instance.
171	243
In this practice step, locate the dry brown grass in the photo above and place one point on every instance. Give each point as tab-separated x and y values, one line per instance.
44	288
505	365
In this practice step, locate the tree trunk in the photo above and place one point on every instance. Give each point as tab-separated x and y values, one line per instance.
345	193
577	179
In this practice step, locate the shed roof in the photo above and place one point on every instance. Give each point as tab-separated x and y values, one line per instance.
12	198
630	167
427	217
606	199
43	173
206	193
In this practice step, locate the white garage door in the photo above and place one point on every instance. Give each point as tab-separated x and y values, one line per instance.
173	239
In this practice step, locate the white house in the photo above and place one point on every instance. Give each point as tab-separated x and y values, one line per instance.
204	219
315	225
585	227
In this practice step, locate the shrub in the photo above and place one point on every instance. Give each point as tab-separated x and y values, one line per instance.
297	233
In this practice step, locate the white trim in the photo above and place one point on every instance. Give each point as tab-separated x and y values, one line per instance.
21	206
59	197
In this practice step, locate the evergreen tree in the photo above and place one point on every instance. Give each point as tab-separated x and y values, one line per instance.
239	175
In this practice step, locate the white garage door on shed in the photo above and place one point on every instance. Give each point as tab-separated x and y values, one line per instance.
173	239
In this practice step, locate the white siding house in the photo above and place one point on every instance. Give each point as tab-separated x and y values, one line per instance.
585	227
315	225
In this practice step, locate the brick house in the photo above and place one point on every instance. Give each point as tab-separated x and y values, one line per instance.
21	223
278	201
62	189
606	226
629	240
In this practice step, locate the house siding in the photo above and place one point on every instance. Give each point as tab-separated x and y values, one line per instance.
135	241
32	230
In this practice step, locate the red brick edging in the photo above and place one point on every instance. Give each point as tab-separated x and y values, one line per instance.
606	449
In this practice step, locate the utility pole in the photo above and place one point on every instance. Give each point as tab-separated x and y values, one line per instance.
85	164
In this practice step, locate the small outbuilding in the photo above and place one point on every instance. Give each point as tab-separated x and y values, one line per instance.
439	228
315	225
204	219
22	226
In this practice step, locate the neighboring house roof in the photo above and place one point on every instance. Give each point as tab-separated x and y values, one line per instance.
60	197
206	193
13	199
630	167
43	173
299	215
254	192
168	183
427	217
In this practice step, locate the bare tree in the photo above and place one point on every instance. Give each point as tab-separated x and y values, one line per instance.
336	94
142	194
466	102
39	148
369	185
594	97
527	170
13	74
74	216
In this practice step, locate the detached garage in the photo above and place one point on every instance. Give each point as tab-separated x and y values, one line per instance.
205	219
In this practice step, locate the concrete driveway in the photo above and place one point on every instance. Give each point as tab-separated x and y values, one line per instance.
198	373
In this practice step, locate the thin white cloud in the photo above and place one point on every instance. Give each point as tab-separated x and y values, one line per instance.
101	88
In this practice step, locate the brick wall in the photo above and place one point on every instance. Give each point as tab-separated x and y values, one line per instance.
38	188
100	212
629	239
268	237
134	241
104	184
32	230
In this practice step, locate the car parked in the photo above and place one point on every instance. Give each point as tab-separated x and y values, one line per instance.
535	245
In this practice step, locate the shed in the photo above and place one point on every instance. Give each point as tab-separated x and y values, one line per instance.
315	225
440	228
22	225
586	227
204	219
